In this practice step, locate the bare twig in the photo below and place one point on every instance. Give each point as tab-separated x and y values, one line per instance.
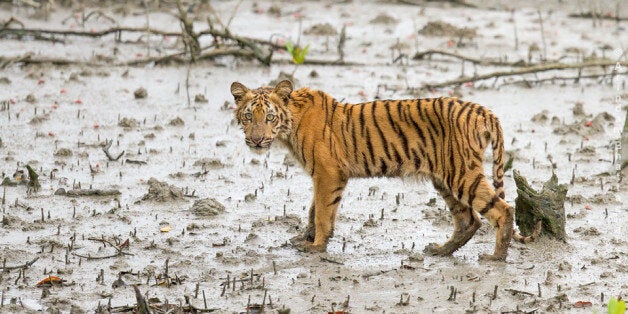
428	53
525	70
105	149
25	265
513	291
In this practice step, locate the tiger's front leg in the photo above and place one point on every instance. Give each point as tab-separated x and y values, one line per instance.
328	188
310	230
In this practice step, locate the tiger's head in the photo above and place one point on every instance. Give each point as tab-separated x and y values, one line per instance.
263	113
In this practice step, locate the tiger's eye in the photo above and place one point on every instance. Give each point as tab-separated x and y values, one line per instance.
270	117
248	116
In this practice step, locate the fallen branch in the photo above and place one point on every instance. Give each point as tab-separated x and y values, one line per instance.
28	58
589	15
513	291
526	70
87	192
529	83
25	265
89	257
329	260
426	54
105	149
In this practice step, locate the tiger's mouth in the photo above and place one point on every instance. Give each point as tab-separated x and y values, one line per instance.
259	145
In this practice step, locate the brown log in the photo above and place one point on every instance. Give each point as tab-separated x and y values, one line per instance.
547	206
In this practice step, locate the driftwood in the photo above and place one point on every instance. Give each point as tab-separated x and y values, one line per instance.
546	206
429	53
33	180
525	70
244	46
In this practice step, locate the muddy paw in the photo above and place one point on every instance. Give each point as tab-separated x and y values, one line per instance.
433	249
308	247
309	234
491	257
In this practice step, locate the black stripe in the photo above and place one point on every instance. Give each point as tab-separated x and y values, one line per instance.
338	189
335	201
362	124
383	167
355	141
418	130
473	188
400	133
366	165
349	116
369	147
490	204
461	190
417	160
379	131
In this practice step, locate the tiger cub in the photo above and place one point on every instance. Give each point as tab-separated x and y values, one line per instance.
442	139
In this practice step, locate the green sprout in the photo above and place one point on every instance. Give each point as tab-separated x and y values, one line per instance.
616	306
298	53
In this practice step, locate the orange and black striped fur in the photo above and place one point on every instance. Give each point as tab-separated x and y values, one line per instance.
442	139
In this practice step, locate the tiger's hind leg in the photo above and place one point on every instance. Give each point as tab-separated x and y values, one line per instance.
482	198
466	223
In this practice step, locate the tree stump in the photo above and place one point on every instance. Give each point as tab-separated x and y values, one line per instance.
547	206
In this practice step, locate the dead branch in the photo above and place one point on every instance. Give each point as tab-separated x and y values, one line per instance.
513	291
28	58
25	265
428	53
33	180
88	192
89	257
105	149
95	34
554	79
245	42
525	70
589	15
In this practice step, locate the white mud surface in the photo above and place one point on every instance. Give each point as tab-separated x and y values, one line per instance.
374	262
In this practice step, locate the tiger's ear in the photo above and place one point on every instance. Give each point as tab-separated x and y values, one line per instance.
283	89
238	90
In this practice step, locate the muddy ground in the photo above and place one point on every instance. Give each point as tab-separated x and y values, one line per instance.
197	207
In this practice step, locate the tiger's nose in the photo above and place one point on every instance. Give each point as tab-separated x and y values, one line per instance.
257	140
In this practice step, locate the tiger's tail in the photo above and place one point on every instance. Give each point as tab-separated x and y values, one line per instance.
497	143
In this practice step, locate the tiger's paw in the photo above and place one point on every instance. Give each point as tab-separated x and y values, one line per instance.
435	249
309	247
492	257
307	236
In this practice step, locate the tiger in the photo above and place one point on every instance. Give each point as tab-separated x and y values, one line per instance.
441	139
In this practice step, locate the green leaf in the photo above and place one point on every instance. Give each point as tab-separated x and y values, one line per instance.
290	47
616	306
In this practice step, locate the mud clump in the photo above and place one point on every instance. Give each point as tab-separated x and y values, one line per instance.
31	98
586	128
128	123
176	122
578	110
200	98
211	163
540	117
5	80
384	18
321	29
162	191
207	207
140	93
38	119
63	152
444	29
